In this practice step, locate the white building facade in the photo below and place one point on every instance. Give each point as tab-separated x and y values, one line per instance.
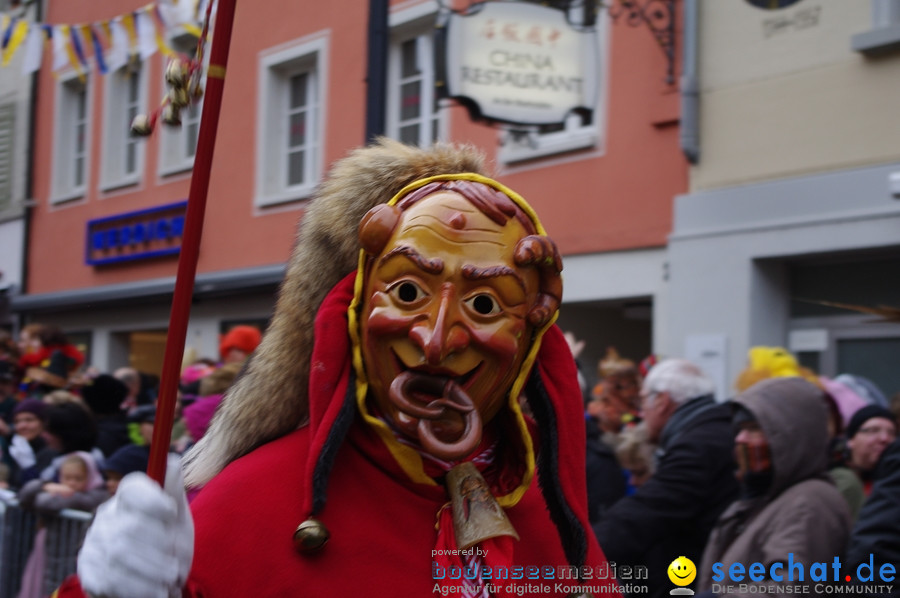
795	197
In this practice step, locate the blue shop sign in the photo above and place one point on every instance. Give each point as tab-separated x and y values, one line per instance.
137	235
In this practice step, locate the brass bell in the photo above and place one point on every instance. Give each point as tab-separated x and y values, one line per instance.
141	126
310	536
171	115
178	97
176	73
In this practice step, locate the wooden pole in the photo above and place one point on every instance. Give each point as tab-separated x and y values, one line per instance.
190	244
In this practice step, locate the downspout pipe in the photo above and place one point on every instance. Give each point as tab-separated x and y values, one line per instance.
689	85
30	158
376	70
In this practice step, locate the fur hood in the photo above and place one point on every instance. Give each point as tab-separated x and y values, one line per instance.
270	397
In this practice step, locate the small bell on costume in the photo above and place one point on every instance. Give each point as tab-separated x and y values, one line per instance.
310	536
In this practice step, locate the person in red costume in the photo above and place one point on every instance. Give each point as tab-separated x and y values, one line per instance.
376	441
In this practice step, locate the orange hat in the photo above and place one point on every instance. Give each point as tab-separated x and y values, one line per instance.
245	338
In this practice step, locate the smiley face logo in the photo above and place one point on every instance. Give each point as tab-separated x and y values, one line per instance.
682	571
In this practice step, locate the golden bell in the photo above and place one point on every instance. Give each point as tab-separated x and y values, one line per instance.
477	515
310	536
141	126
176	73
171	115
179	97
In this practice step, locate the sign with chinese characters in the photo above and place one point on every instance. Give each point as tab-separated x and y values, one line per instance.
136	235
519	63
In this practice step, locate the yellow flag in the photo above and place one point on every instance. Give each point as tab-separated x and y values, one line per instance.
18	36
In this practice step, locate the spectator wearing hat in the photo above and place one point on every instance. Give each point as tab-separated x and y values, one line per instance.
870	431
27	442
237	345
127	459
104	395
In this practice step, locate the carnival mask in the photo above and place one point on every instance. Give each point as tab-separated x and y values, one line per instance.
456	281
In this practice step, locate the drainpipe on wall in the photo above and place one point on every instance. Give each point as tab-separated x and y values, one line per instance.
376	70
690	87
29	171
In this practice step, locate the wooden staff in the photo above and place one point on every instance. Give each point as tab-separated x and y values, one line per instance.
190	244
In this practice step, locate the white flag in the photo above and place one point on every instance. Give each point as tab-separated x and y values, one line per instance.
146	34
34	50
60	53
117	55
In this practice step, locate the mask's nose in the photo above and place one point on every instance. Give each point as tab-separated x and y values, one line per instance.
443	333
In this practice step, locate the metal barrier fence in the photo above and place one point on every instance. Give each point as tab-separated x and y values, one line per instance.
18	527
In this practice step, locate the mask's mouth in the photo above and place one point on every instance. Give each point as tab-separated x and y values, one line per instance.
442	408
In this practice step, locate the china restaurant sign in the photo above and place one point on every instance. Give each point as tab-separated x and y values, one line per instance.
519	63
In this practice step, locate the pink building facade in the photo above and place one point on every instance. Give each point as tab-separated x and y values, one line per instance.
103	234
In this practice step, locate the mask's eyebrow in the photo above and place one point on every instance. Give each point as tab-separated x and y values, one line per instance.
470	272
431	266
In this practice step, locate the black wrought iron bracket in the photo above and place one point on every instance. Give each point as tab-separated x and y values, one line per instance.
657	15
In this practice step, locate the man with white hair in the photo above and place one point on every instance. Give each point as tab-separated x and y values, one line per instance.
672	514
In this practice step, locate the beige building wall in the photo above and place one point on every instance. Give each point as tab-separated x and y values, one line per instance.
783	94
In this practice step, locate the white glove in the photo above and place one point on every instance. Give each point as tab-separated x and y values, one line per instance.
141	542
21	451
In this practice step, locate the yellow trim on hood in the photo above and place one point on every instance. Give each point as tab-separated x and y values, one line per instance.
407	457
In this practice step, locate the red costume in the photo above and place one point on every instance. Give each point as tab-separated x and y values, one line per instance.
382	523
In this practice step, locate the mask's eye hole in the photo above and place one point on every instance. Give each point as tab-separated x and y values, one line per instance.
483	304
407	292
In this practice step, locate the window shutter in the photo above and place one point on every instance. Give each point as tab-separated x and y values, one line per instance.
7	127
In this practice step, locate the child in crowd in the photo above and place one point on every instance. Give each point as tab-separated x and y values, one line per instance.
80	487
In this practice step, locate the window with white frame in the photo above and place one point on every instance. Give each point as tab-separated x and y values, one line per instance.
289	132
178	144
580	130
123	153
70	159
412	106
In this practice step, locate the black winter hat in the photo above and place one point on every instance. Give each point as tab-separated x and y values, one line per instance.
865	414
145	414
127	459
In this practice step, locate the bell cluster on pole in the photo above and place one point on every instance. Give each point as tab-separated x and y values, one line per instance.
183	82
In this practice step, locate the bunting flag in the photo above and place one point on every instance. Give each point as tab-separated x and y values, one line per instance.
34	50
106	45
146	34
117	56
91	32
19	33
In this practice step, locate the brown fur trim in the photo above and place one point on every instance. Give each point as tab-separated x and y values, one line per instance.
270	398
